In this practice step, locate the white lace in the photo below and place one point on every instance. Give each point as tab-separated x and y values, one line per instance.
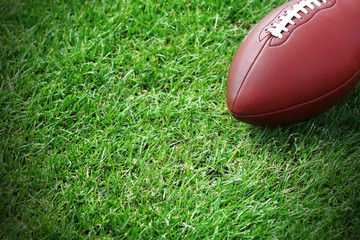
278	28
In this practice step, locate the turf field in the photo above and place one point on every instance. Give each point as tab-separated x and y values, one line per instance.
113	125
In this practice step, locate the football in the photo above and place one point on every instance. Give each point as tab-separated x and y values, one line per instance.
296	63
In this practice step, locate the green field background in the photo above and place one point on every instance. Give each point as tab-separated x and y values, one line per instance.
113	125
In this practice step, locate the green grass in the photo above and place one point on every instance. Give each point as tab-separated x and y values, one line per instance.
114	125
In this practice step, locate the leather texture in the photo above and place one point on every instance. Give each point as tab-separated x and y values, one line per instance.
275	81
